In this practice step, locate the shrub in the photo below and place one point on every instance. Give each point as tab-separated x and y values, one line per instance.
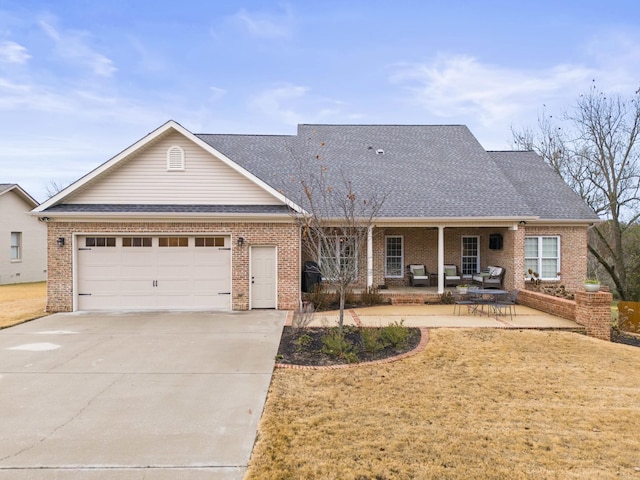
371	296
447	298
304	316
371	340
303	341
320	298
395	335
336	345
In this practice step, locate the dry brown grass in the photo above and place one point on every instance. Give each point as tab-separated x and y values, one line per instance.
476	404
22	302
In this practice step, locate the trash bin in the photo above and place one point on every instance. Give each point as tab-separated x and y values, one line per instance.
310	276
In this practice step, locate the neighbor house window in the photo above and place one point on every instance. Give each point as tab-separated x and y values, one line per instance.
100	242
16	245
173	241
175	158
338	256
394	257
542	255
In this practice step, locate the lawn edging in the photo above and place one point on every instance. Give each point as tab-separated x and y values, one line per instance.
424	340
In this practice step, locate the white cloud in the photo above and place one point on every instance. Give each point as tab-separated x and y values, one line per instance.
273	102
461	86
216	93
266	25
74	46
12	52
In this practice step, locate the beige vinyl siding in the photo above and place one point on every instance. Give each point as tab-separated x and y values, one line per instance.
144	179
32	264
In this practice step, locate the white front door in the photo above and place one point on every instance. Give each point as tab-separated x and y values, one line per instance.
263	277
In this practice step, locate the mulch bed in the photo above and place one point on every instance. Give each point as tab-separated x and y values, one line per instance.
619	336
290	352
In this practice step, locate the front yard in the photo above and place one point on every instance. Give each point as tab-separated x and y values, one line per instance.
21	302
476	404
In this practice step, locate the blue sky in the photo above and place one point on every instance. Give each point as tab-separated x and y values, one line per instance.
82	80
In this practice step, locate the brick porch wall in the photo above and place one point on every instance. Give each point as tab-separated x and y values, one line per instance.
591	310
284	236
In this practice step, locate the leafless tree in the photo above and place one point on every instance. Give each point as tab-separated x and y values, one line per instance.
597	153
336	219
53	188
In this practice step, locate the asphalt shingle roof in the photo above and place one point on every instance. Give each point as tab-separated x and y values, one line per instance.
425	171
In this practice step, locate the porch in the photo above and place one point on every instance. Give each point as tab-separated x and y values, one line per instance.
441	316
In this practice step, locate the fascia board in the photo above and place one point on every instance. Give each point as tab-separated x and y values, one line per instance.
164	217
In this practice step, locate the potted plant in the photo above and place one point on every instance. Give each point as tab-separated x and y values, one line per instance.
463	288
591	285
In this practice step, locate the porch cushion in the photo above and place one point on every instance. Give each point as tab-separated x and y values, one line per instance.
418	271
450	271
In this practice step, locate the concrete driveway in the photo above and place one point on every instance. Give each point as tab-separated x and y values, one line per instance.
162	395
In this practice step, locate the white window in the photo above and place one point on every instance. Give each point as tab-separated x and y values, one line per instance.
470	255
175	158
338	256
542	255
16	245
394	257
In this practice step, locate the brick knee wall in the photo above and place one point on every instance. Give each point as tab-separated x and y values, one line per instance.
591	310
560	307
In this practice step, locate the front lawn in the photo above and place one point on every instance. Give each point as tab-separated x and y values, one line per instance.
476	404
21	302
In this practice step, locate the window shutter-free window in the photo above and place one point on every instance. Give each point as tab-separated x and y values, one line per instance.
16	240
393	257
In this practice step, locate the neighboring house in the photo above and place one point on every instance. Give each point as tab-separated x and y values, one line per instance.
23	246
197	221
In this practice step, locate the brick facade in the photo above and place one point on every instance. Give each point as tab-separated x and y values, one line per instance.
284	236
421	247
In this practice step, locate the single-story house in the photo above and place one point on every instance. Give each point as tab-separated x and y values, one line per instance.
203	221
23	239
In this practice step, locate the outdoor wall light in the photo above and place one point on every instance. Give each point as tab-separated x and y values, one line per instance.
60	241
240	241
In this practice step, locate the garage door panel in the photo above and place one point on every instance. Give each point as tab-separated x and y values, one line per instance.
145	278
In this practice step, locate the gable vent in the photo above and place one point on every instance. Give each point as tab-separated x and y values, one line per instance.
379	151
175	158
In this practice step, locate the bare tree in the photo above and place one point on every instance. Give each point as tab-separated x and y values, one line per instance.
597	154
53	188
336	220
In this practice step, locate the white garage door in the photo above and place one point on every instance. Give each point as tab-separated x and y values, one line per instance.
153	272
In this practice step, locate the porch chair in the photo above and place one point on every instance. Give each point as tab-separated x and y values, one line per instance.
451	276
507	301
460	299
490	277
418	276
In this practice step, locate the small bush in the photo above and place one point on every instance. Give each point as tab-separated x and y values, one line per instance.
349	297
336	345
303	341
320	298
447	298
371	341
394	335
303	317
371	296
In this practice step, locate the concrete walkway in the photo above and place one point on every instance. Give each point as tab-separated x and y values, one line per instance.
162	395
435	316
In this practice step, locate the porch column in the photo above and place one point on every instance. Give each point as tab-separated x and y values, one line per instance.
370	257
440	259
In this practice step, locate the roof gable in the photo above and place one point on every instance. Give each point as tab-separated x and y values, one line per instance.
5	188
139	175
